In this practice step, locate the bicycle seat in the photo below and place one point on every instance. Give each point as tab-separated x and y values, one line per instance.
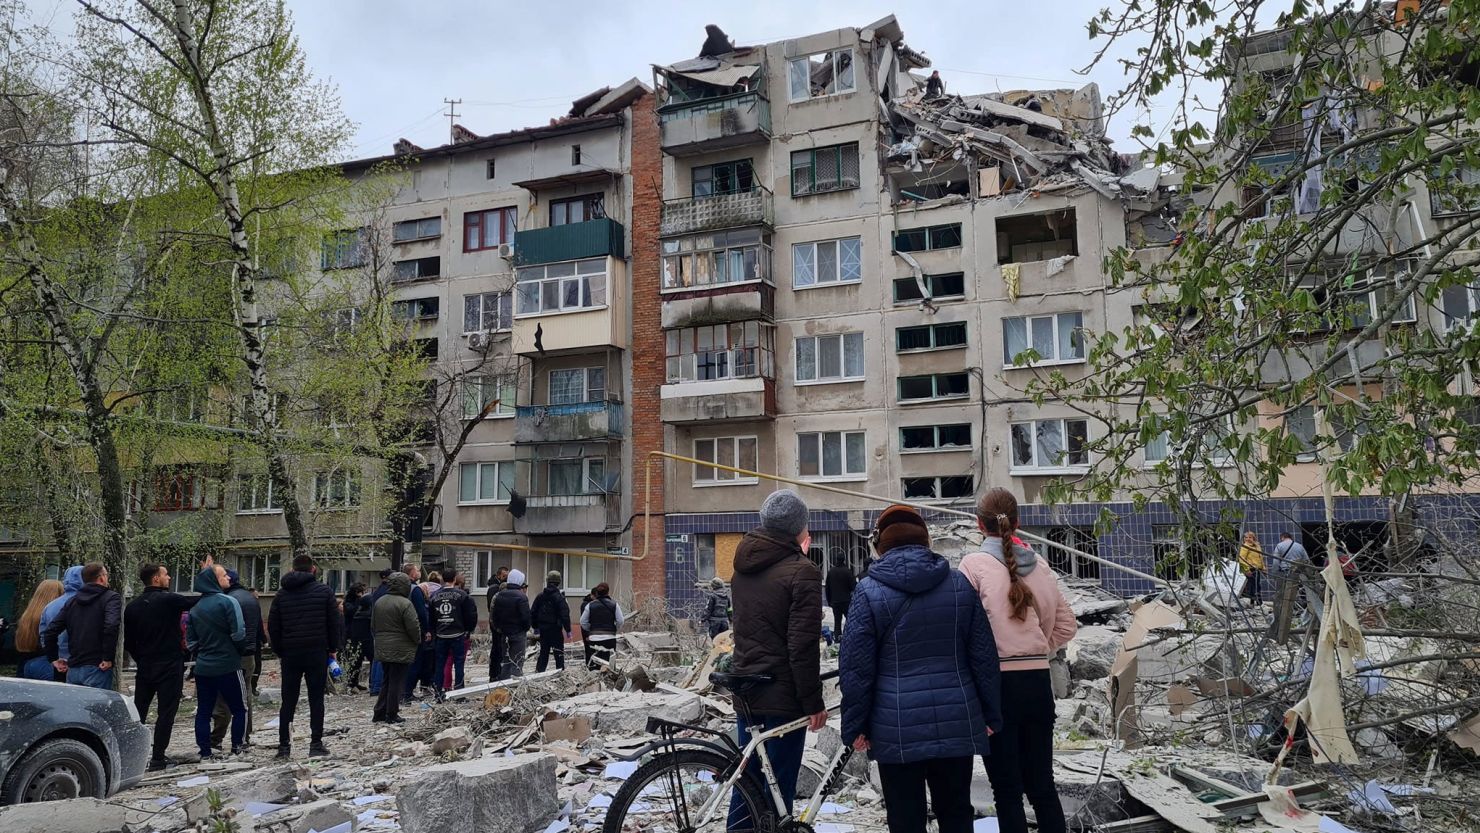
740	683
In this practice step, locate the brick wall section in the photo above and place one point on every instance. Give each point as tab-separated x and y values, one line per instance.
648	350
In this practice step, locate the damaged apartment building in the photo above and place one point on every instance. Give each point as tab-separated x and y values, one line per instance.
854	264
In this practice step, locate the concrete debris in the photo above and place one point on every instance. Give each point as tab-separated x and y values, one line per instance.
82	815
1093	651
499	794
452	741
620	714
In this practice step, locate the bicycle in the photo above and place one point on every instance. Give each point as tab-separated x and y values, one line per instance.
715	766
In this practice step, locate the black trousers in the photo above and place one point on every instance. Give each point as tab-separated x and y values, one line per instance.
838	614
949	780
165	681
311	668
388	702
1021	763
552	641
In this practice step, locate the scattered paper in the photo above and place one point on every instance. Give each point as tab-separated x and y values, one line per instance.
371	799
166	800
1330	825
705	776
831	809
271	724
602	800
986	825
558	826
194	782
620	770
570	806
1371	798
833	827
262	808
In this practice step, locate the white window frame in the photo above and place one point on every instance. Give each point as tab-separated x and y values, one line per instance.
937	448
808	251
805	63
586	386
1038	467
718	477
324	480
499	304
592	288
1294	414
475	395
589	485
1057	323
417	229
817	342
1222	460
845	474
486	563
254	483
477	466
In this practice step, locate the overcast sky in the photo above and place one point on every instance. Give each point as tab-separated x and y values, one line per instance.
520	64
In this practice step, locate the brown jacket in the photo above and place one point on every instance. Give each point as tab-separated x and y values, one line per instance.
777	598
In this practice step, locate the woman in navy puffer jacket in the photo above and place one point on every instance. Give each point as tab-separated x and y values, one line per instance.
920	677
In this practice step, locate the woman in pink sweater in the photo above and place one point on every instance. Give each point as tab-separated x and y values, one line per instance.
1030	621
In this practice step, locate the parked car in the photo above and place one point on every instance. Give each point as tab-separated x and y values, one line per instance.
64	741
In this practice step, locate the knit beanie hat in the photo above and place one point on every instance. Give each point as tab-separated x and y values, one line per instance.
552	577
898	526
784	513
516	578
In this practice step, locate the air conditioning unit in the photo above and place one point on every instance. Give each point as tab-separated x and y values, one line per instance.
506	251
480	341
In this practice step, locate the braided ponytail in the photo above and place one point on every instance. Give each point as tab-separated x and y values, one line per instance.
998	513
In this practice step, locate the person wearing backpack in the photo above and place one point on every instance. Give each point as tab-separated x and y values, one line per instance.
454	616
551	616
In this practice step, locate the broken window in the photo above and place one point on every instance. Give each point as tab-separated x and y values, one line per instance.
1461	303
417	269
831	454
1054	338
930	337
942	287
820	170
1300	423
1214	451
1458	193
577	209
1049	445
723	178
739	350
928	238
829	358
423	229
416	308
821	74
937	488
935	437
738	452
934	386
343	249
722	257
1030	237
827	261
1185	553
1081	538
426	348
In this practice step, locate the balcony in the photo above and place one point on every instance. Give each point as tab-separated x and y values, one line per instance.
711	124
571	514
719	386
717	211
593	238
568	423
718	304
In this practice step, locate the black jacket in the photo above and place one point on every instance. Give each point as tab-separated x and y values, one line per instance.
510	612
304	619
777	597
839	588
251	617
359	624
151	626
454	613
549	610
91	622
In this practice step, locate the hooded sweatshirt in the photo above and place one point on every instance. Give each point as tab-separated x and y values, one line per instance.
919	667
777	597
71	583
216	632
90	623
1049	624
393	619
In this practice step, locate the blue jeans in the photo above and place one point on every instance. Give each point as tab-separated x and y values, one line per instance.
785	753
90	675
229	687
38	668
449	649
377	675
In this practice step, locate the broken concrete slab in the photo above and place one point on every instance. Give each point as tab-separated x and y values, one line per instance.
626	713
454	740
1092	651
500	794
81	815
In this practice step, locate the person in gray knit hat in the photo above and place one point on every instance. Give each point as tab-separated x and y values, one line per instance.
776	596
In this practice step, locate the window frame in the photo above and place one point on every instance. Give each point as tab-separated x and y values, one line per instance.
1036	468
832	58
498	482
417	306
416	225
586	386
935	386
930	233
1008	358
503	385
816	378
681	259
273	504
417	271
735	176
936	491
931	328
508	225
812	155
322	493
588	285
936	447
1223	461
593	207
734	479
500	300
797	250
338	251
845	475
935	297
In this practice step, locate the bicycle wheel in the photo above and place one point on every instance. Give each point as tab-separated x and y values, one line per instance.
669	791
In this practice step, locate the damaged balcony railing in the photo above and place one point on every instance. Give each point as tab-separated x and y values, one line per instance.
715	123
710	212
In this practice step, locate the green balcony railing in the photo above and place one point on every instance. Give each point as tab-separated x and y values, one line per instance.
573	241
